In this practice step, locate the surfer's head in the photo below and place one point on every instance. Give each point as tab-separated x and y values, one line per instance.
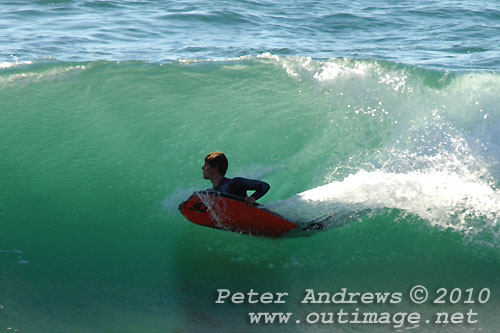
216	161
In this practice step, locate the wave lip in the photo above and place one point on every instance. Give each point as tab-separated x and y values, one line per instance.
7	64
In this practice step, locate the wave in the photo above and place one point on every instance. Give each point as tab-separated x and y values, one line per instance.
96	156
336	137
418	141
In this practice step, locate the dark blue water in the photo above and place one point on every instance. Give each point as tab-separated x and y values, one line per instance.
445	34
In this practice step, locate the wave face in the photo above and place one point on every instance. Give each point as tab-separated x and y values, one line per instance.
97	155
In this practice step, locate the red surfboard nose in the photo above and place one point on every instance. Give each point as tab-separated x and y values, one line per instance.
224	211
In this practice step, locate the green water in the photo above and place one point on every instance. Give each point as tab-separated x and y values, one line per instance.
96	156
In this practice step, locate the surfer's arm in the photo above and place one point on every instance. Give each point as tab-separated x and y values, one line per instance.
258	186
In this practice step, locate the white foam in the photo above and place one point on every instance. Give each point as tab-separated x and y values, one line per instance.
334	69
443	199
7	64
38	76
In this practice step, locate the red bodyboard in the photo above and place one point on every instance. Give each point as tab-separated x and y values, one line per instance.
226	212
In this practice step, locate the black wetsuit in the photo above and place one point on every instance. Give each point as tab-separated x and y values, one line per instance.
239	186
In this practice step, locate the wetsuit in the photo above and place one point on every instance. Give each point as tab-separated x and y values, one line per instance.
239	186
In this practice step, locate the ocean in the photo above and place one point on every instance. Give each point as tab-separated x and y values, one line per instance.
380	119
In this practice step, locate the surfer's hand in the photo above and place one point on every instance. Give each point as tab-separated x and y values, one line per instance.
250	201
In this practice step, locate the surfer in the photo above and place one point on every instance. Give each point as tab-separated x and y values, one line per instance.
215	168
